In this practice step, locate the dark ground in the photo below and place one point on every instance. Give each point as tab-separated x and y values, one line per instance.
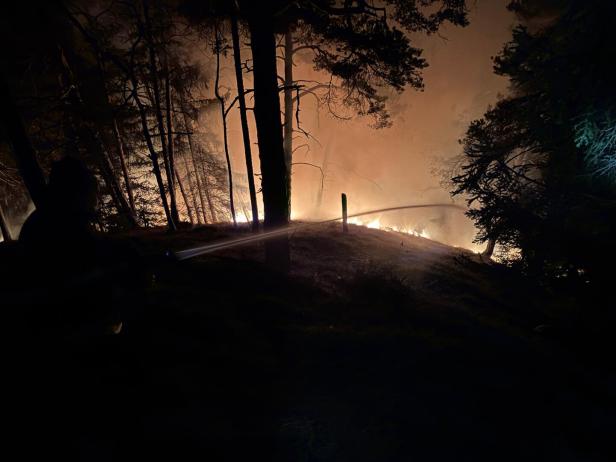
378	347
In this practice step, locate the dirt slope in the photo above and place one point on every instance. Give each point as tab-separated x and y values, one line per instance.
378	347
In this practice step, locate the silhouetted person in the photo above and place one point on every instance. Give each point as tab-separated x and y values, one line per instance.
73	376
75	274
70	206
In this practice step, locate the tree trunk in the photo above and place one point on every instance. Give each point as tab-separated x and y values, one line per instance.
269	133
223	114
208	195
188	130
77	133
81	127
198	180
23	152
489	251
153	154
186	203
122	155
200	186
130	72
94	143
158	109
244	120
319	202
170	146
191	188
105	102
288	106
193	196
4	228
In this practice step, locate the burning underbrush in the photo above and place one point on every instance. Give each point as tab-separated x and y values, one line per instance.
375	223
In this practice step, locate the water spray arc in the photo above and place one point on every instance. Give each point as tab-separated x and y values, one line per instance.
210	248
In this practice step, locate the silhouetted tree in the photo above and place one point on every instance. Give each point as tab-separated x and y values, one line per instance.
530	164
22	149
150	73
237	64
220	48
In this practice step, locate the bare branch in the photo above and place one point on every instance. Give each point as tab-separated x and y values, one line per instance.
315	166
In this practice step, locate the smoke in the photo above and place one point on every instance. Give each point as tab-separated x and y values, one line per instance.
385	167
391	166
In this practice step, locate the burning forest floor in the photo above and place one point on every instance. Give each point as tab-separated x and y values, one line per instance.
378	347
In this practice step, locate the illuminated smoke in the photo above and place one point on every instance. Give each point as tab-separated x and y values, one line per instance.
395	165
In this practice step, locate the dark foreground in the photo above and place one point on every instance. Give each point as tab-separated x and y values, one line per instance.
378	347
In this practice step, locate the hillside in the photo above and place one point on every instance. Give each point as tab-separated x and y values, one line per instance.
378	346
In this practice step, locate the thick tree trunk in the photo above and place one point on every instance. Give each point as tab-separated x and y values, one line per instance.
185	197
23	152
4	228
288	106
271	150
244	120
223	115
158	109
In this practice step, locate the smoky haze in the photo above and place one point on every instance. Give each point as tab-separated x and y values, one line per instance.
397	165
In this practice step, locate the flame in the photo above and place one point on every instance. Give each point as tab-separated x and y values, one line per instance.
374	224
418	231
241	218
245	217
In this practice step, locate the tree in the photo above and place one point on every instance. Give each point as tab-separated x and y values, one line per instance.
237	62
75	102
88	112
189	136
140	60
269	134
117	85
219	49
24	153
153	58
535	165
